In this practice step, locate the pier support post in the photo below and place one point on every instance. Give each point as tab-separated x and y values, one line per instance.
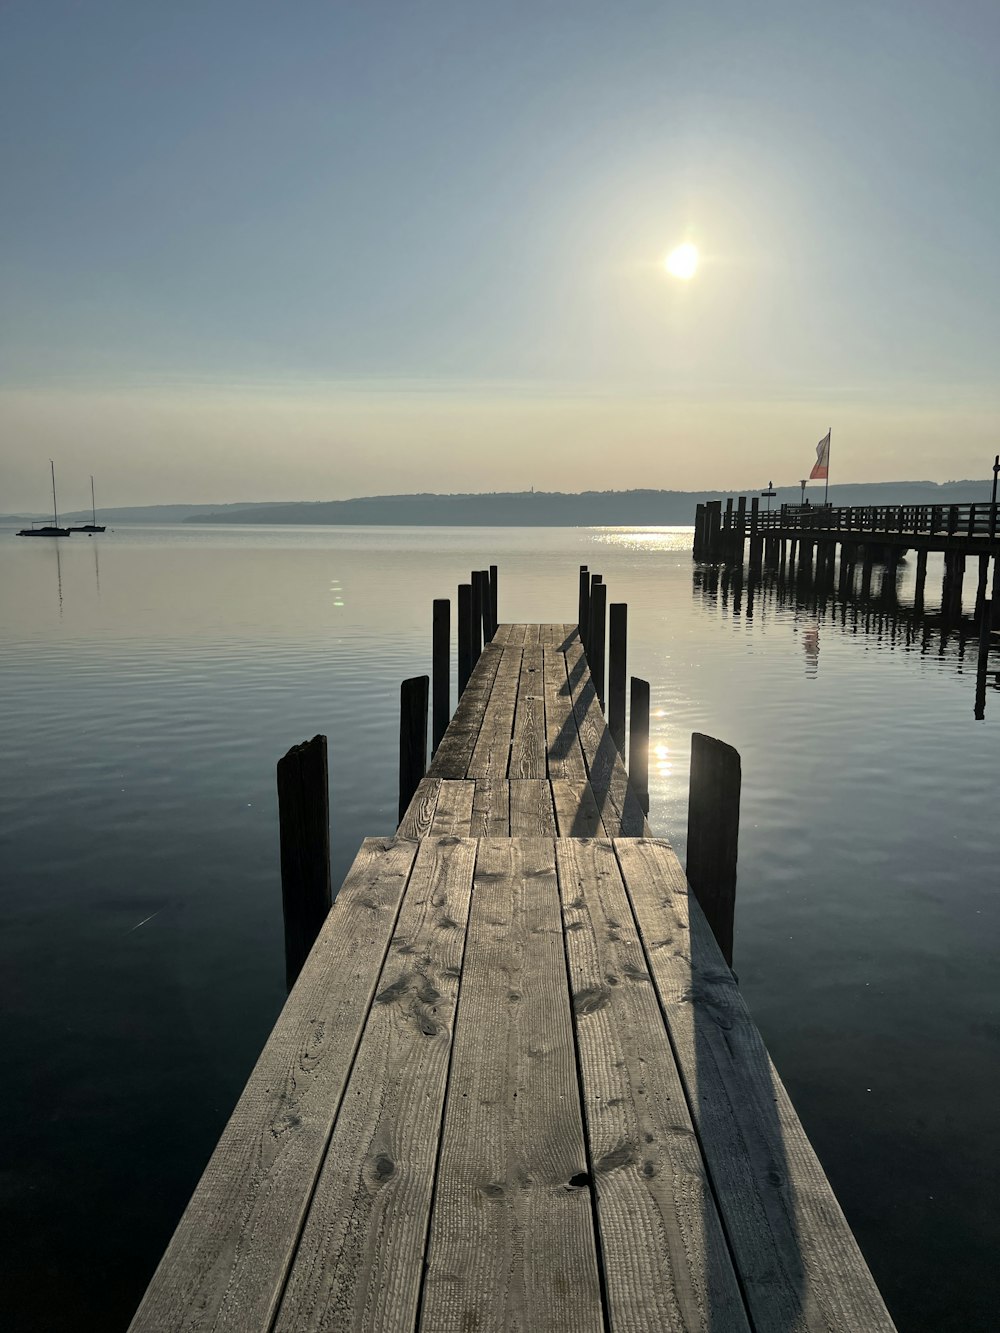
595	579
464	636
413	695
487	605
918	591
697	551
304	833
476	624
617	652
598	639
494	601
713	834
638	741
984	574
985	630
441	667
583	614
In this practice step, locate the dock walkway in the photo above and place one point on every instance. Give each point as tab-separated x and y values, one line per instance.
515	1086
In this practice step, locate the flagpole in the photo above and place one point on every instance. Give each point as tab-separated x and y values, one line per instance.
826	493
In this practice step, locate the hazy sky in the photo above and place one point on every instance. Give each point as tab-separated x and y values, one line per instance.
259	251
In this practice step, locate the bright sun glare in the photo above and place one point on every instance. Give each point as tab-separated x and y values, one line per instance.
682	262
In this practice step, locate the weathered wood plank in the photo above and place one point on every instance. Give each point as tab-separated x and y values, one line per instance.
527	752
620	808
531	813
453	813
532	636
360	1261
416	822
500	637
511	1241
799	1264
564	753
666	1263
226	1265
491	808
515	636
451	759
491	756
577	813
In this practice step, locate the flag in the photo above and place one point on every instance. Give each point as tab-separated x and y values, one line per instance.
821	468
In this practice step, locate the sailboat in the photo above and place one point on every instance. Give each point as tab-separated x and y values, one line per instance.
93	526
48	529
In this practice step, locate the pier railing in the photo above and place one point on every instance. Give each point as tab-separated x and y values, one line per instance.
964	520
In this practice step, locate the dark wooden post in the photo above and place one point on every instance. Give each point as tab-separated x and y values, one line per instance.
413	696
487	608
617	651
996	590
464	636
583	614
441	667
598	644
594	580
918	592
494	600
304	832
985	631
713	834
476	624
638	741
699	532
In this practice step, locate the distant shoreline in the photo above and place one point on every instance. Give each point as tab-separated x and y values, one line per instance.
520	508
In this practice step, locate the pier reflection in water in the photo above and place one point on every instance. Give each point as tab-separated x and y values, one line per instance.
885	602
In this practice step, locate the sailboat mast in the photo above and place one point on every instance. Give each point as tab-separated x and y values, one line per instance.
93	503
55	511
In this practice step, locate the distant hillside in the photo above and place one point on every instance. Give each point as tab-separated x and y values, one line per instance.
558	509
137	514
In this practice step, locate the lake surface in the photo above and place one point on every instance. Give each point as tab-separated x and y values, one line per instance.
152	677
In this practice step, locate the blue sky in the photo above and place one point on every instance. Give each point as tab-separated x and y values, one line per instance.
262	251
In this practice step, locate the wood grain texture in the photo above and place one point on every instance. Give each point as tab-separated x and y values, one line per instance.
527	752
226	1265
416	822
620	808
453	813
665	1257
531	812
512	1243
491	808
451	759
515	636
799	1264
577	813
360	1260
500	637
491	756
564	753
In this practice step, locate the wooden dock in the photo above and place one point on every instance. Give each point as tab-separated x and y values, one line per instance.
515	1086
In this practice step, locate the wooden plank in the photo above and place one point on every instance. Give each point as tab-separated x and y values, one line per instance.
799	1265
491	808
620	807
512	1240
454	809
666	1263
360	1260
532	636
451	759
500	637
577	812
492	753
531	812
527	751
226	1265
564	753
416	823
515	636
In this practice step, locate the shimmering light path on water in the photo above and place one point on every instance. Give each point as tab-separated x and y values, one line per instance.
152	677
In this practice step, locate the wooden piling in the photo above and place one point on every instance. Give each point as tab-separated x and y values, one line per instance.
476	623
304	832
597	653
441	667
464	636
918	592
713	834
617	653
638	740
413	697
583	613
697	550
594	580
487	605
494	600
985	637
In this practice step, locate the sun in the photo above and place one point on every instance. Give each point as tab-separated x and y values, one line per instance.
682	262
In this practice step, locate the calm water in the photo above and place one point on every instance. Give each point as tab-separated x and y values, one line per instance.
152	677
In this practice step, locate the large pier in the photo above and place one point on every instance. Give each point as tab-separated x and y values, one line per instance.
515	1085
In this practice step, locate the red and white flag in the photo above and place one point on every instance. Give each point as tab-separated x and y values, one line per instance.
821	468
